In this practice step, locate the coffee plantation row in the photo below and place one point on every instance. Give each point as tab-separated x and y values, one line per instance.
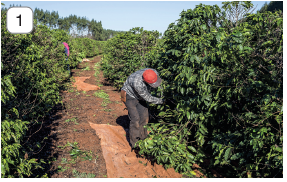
223	82
33	70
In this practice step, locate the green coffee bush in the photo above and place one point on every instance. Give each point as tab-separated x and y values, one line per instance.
224	89
125	53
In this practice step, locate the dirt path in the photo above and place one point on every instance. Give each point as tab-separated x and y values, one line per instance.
92	109
71	124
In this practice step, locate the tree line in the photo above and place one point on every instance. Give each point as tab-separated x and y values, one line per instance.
82	27
77	26
272	6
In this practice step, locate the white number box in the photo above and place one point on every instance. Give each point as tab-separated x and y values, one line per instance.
20	20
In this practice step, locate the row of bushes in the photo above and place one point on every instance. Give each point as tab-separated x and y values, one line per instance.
88	47
223	83
33	69
126	53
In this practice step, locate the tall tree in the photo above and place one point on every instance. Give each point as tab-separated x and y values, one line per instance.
76	26
272	6
236	11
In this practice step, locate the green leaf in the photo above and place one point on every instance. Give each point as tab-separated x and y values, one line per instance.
3	171
190	156
192	149
161	114
248	48
182	90
218	35
204	27
227	153
240	47
279	149
179	149
188	115
216	162
192	173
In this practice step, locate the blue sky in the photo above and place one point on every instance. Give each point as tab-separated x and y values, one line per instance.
123	15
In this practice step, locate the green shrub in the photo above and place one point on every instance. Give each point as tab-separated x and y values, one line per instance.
33	67
125	53
224	91
86	47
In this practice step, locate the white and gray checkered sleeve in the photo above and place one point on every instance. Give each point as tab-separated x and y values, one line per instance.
143	92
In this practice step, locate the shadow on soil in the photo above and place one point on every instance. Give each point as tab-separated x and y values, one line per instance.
124	121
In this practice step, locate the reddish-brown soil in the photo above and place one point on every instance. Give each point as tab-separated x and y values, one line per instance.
70	122
86	108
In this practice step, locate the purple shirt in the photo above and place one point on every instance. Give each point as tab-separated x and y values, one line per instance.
67	48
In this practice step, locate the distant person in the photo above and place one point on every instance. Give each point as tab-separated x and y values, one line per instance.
67	51
135	93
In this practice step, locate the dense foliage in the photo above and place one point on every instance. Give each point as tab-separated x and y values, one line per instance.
88	47
126	53
223	85
33	69
223	82
225	93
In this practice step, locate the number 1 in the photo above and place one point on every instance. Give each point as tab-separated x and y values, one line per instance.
19	19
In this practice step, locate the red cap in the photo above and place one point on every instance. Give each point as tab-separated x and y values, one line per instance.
149	76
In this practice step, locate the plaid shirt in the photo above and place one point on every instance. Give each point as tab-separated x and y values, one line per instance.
137	88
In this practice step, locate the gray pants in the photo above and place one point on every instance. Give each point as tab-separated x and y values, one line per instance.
138	114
